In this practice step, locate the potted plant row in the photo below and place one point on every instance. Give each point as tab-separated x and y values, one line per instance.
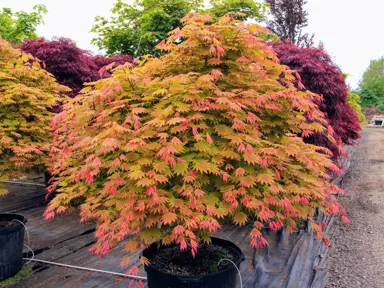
26	91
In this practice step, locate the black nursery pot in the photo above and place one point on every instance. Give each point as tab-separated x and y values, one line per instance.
11	246
224	279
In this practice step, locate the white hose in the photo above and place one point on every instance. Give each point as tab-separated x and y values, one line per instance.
24	183
97	270
88	269
71	266
241	280
28	239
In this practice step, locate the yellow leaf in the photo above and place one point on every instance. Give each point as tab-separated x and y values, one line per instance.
240	218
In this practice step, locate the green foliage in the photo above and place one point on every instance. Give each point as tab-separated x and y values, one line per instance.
166	149
16	27
373	79
252	9
26	91
368	98
25	272
355	103
136	29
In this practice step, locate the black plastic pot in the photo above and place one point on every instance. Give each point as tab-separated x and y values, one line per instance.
47	177
224	279
11	246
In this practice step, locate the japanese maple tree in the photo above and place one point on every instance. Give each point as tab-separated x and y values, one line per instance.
70	65
169	148
320	75
26	91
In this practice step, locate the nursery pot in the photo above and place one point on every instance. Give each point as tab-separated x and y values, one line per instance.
224	279
11	245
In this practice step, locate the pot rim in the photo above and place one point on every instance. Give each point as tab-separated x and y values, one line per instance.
198	277
13	216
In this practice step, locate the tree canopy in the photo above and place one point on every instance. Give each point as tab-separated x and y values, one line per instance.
26	91
166	149
368	98
289	19
70	65
373	79
18	26
136	29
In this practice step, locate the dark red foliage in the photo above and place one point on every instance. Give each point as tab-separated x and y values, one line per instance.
320	75
118	59
70	65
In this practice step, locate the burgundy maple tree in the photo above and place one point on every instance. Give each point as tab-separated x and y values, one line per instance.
70	65
320	75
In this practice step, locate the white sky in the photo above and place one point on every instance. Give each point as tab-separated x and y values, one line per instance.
348	28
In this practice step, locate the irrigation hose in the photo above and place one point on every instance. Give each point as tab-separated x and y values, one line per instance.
88	269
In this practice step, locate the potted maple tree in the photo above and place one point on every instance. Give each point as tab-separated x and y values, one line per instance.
164	151
26	91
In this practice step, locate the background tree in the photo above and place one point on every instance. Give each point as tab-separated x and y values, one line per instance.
136	29
26	91
70	65
368	98
253	9
320	75
373	79
289	20
18	26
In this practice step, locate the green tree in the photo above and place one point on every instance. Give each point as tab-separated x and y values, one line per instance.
18	26
136	29
252	9
373	78
368	98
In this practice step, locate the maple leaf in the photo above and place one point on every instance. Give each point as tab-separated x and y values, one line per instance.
135	175
133	271
180	168
131	246
125	262
239	172
203	166
169	218
145	261
265	179
247	181
240	218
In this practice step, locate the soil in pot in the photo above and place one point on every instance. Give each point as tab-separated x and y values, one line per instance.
172	268
174	261
6	224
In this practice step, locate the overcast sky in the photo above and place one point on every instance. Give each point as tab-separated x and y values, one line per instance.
348	28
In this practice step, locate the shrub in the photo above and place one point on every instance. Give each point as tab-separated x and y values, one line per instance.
26	91
320	75
355	103
70	65
167	149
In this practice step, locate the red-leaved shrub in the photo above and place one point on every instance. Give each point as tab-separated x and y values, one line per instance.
71	65
320	75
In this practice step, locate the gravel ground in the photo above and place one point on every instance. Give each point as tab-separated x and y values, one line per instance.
356	256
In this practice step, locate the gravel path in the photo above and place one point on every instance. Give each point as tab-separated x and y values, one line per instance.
356	256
